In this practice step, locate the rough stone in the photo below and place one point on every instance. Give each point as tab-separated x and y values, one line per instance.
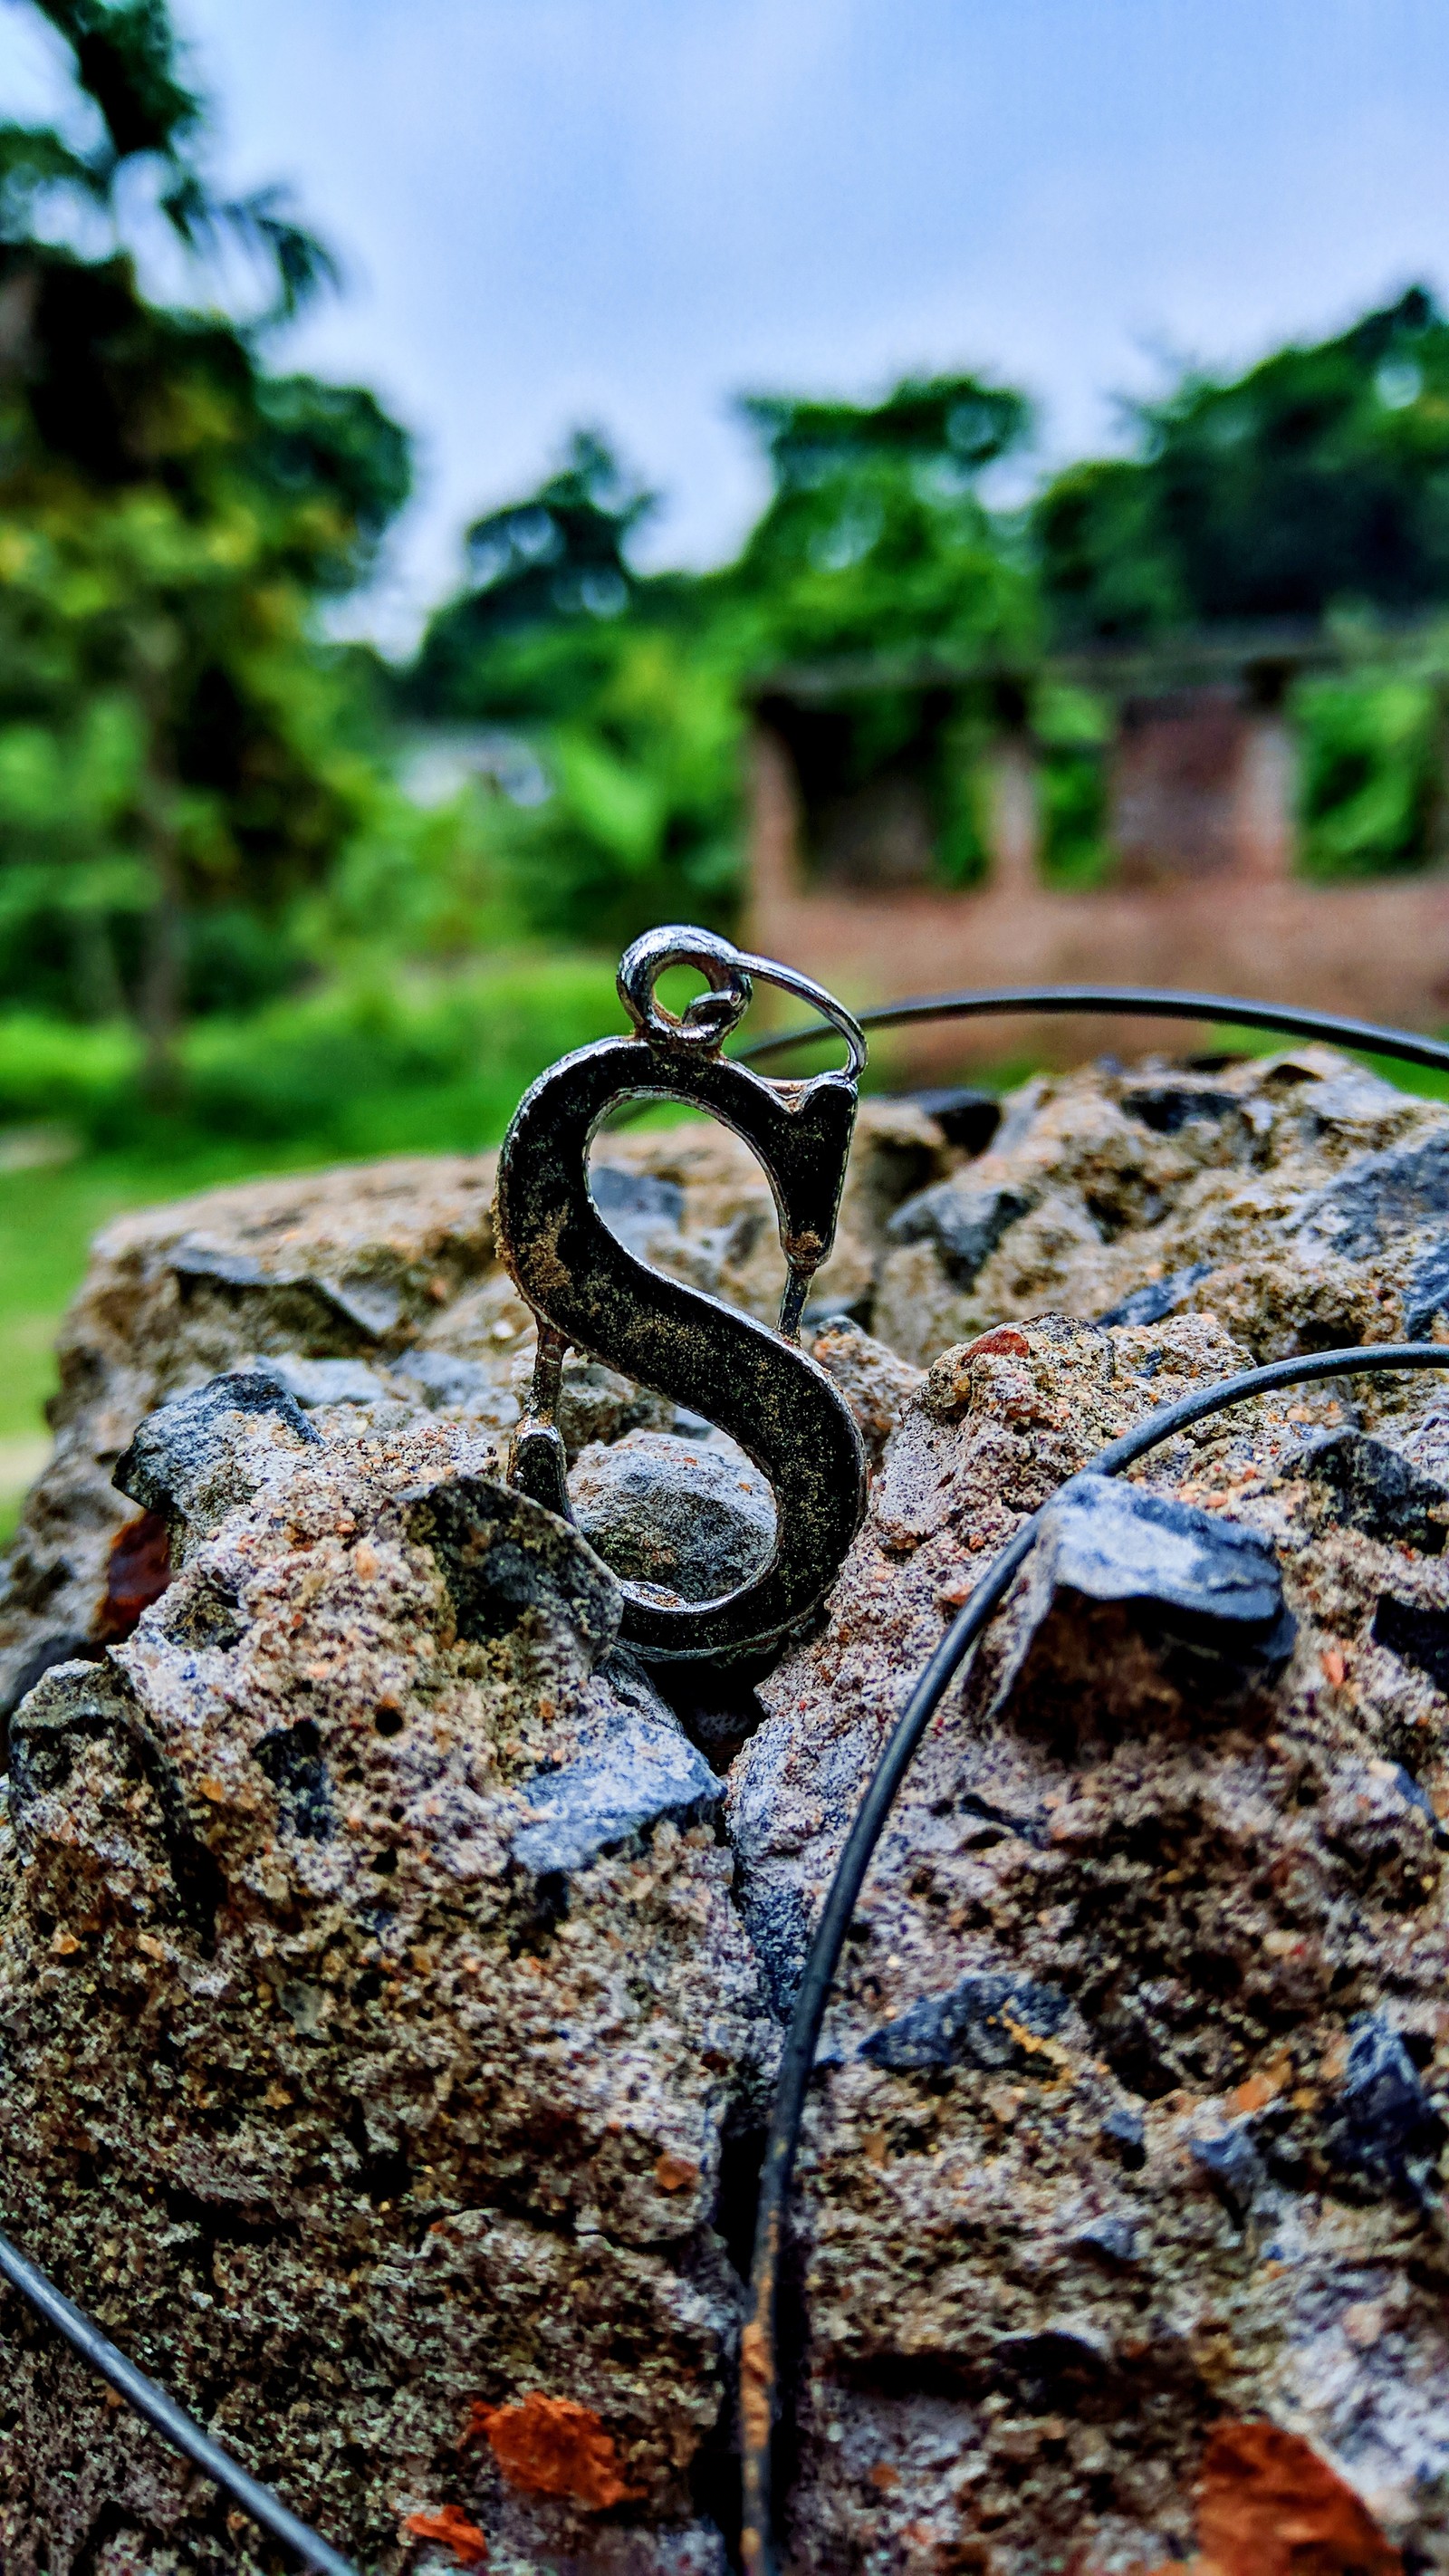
1230	2159
440	1379
1382	1196
1426	1291
675	1515
965	1224
1240	1914
1375	1488
412	1994
355	1920
1160	1297
1384	2127
1294	1197
985	2021
190	1462
873	1381
318	1382
1169	1106
634	1205
376	1286
966	1115
1193	1593
1416	1634
634	1768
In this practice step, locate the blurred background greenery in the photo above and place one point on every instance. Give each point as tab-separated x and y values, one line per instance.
269	899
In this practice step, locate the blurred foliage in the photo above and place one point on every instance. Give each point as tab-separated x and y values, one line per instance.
368	1063
555	557
1318	479
1072	729
1371	774
874	540
173	763
216	896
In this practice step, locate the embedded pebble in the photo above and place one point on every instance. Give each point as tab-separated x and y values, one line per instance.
674	1514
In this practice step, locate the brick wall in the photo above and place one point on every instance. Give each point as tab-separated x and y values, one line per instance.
1241	924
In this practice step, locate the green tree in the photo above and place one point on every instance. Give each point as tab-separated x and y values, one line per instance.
172	754
1318	479
556	559
875	537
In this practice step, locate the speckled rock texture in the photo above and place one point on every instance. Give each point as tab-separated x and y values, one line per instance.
368	1958
391	1978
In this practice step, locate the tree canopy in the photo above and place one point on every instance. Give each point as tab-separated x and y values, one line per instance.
559	556
170	510
1318	479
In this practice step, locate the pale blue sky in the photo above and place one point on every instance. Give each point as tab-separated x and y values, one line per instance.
623	211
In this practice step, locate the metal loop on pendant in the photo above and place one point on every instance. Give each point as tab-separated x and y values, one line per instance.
705	1023
731	974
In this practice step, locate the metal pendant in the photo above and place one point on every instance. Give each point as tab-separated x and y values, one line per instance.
589	1294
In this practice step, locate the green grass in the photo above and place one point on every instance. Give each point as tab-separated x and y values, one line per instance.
47	1220
371	1064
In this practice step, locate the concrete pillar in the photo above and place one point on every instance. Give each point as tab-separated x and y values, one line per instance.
1012	836
773	877
1264	817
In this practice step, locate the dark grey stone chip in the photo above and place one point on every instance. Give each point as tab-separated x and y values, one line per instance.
779	1926
318	1382
293	1761
634	1205
1382	1195
1110	2241
175	1447
988	2021
967	1117
513	1569
1384	2129
1149	1304
1168	1107
692	1520
965	1225
442	1379
1426	1291
1194	1573
1124	2134
1377	1490
1054	2365
639	1769
1232	2164
370	1306
1417	1636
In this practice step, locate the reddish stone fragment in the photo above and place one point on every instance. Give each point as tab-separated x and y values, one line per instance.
1270	2506
451	2525
138	1571
1002	1337
550	2446
675	2173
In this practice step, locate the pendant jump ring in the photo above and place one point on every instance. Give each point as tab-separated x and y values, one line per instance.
731	974
706	1022
768	970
